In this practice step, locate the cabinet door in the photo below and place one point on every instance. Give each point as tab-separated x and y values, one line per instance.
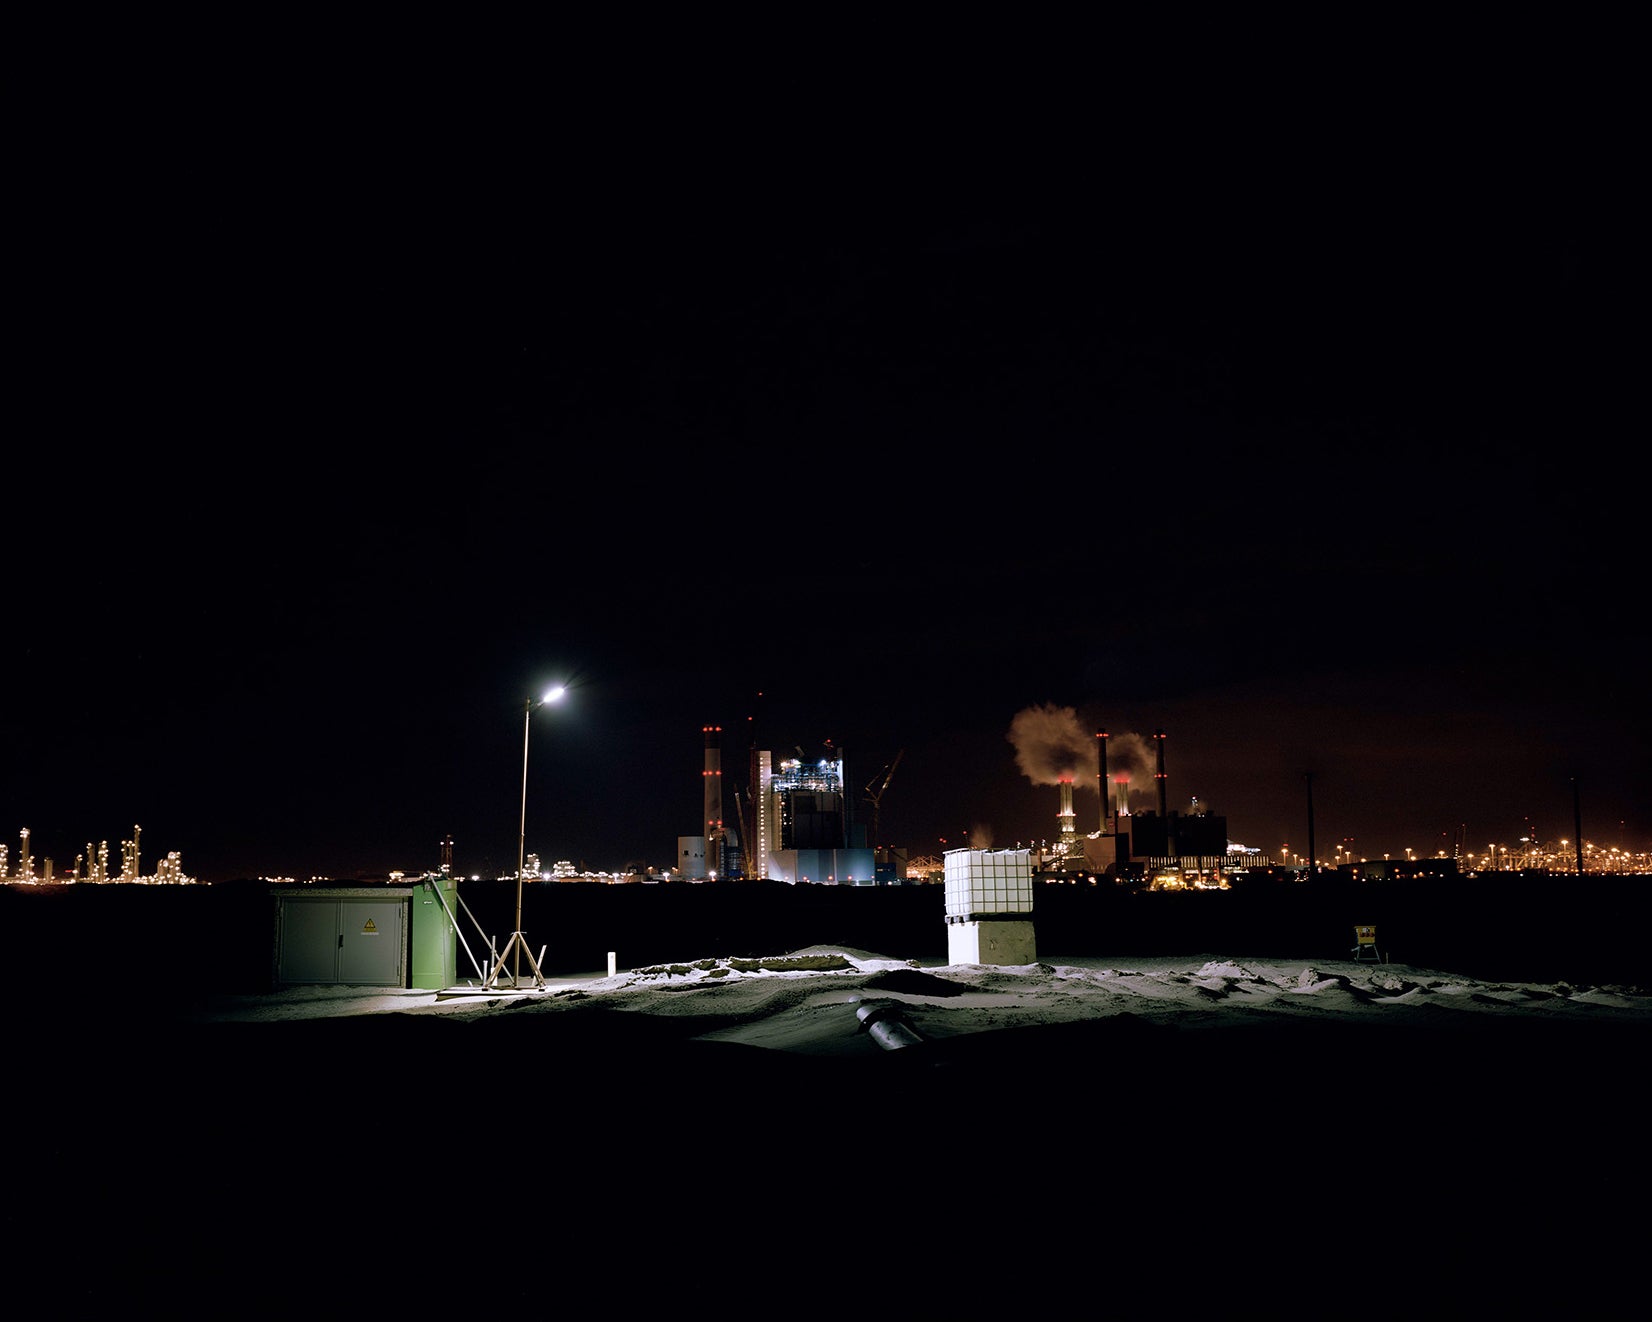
309	941
356	941
370	945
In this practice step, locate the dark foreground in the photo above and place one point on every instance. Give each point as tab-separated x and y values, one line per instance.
417	1166
400	1165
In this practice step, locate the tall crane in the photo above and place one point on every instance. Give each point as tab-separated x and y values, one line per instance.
874	792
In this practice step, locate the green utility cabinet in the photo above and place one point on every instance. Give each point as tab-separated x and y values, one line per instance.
367	936
434	913
346	936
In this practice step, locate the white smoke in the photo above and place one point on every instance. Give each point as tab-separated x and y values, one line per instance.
1051	746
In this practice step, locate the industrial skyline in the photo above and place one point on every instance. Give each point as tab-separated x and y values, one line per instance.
797	821
92	864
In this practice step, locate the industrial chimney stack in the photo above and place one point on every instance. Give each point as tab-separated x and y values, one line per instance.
1101	777
714	799
1158	740
1069	836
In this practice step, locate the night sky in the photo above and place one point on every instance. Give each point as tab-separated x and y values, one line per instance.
320	474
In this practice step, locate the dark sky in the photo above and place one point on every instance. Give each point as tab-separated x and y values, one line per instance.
325	470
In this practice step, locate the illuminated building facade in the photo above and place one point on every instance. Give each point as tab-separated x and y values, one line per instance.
803	823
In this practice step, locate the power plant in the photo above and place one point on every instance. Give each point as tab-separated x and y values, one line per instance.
793	824
1164	847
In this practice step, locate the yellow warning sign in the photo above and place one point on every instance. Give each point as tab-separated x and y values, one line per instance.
368	929
1366	936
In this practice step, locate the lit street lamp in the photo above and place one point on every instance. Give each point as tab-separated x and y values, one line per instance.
518	942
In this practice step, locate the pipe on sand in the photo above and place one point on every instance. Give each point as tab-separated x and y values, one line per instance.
887	1025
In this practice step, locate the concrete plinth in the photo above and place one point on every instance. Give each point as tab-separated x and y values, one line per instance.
991	941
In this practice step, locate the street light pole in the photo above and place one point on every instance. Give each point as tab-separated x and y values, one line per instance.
518	942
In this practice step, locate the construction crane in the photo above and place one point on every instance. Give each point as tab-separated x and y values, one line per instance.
874	792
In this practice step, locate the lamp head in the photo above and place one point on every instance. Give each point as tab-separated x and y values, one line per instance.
549	696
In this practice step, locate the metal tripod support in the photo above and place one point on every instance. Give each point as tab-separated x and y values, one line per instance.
517	942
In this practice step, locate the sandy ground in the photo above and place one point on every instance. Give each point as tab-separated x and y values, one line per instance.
1261	1137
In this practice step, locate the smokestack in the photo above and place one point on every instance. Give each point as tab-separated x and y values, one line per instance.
714	799
1158	739
1069	837
1101	777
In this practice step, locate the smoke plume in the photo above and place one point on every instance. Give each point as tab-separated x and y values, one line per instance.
1051	745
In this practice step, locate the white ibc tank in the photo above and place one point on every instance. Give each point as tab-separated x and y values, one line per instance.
983	883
